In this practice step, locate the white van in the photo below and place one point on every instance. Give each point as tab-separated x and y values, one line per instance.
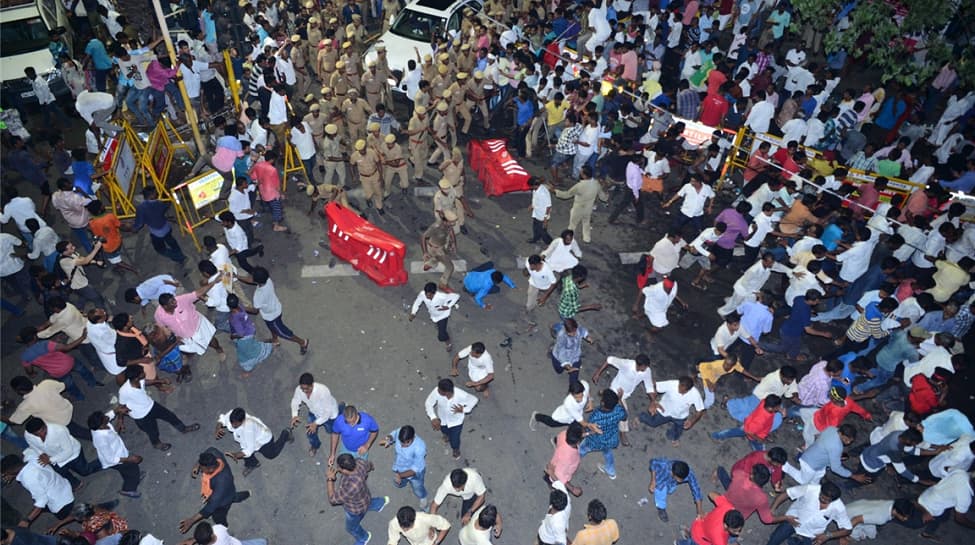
25	27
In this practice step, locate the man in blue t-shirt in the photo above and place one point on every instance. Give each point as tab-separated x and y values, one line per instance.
356	431
485	279
798	323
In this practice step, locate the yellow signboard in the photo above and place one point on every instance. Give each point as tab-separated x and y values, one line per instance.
205	189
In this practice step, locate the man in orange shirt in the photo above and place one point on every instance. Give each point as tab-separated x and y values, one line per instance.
106	226
599	530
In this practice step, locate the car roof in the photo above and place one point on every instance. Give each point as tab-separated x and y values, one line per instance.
436	7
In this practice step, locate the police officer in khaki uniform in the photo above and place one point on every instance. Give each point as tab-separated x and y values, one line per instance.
333	159
299	62
418	133
326	59
314	33
456	103
390	11
439	245
465	60
356	113
373	137
427	69
330	107
440	128
422	96
316	122
384	74
440	81
372	85
472	97
369	165
355	32
353	72
444	200
339	83
453	171
394	164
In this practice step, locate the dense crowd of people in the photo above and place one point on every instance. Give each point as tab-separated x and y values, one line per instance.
601	93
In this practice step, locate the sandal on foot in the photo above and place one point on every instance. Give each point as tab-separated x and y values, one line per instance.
304	347
191	428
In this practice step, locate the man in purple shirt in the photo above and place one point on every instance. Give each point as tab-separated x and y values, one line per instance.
734	218
634	182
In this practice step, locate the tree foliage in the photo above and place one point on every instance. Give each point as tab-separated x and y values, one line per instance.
908	45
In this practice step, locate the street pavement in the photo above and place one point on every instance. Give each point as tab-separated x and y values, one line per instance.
369	354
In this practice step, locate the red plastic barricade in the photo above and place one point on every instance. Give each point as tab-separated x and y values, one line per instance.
498	172
367	248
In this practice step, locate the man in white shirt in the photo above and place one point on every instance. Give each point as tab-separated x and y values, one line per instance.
438	305
237	241
958	456
132	394
46	99
697	198
760	116
674	407
541	278
102	337
953	493
20	209
58	448
48	490
112	452
418	528
323	409
480	368
629	375
269	307
814	507
665	255
468	485
253	436
867	515
215	534
555	526
97	108
446	407
541	208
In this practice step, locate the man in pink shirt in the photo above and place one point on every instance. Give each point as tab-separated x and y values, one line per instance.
195	331
160	81
629	61
269	187
565	460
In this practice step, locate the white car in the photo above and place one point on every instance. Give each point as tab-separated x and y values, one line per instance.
412	29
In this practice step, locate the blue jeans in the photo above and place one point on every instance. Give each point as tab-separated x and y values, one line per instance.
138	102
737	432
353	523
785	533
790	346
880	378
313	439
610	460
453	435
69	383
12	437
676	424
416	483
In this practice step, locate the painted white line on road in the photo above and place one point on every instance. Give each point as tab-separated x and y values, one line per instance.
324	271
424	191
631	258
416	267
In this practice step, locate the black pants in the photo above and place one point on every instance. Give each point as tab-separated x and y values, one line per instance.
549	421
79	432
219	515
242	258
746	352
539	232
442	334
270	450
248	226
149	425
86	294
624	202
80	466
130	475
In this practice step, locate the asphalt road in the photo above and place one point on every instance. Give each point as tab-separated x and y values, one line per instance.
367	352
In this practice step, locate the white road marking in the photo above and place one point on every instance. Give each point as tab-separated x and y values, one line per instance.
416	267
630	258
324	271
424	191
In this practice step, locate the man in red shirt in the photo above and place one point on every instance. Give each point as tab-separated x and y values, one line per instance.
269	187
757	425
831	414
714	107
717	527
747	495
773	459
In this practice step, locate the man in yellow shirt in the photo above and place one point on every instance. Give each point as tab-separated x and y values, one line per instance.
554	115
599	530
